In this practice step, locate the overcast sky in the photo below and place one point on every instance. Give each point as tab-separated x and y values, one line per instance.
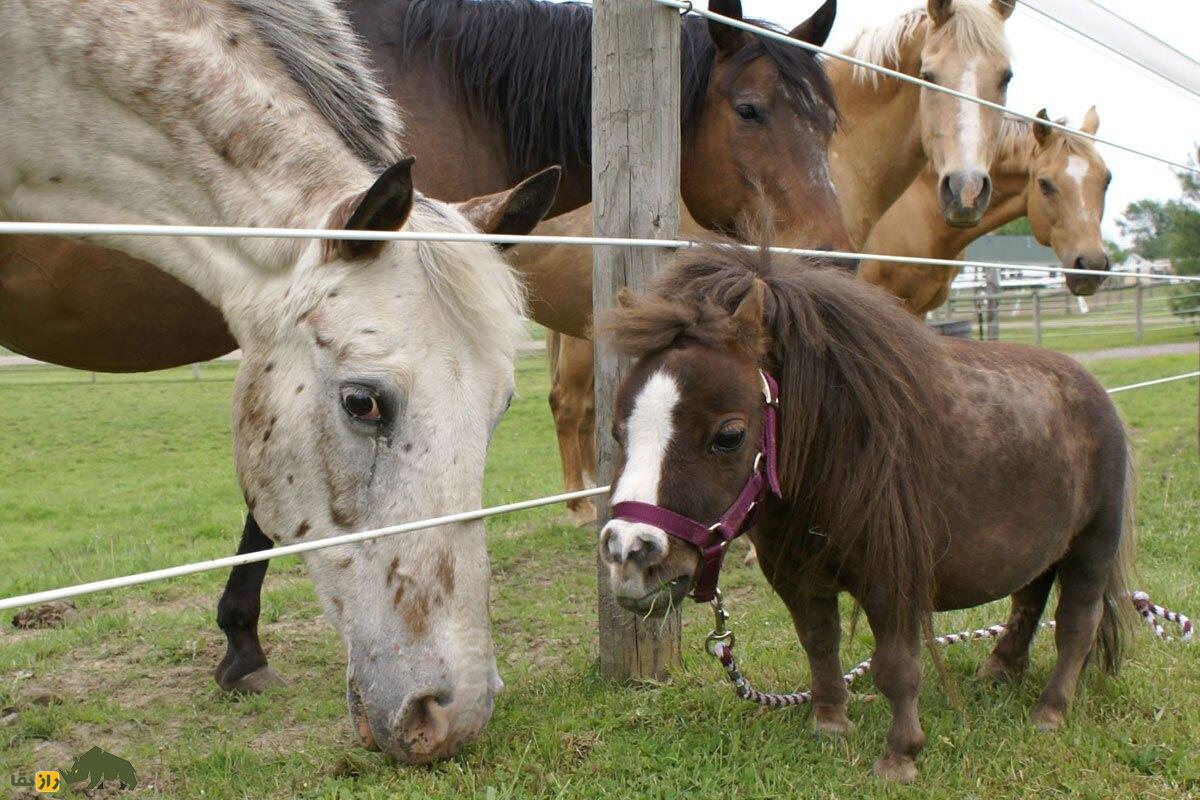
1053	68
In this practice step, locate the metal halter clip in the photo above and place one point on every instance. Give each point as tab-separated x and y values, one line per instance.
720	634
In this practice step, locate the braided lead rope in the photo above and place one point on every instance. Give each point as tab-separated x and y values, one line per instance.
719	644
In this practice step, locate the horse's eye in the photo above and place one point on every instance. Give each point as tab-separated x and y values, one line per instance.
927	76
1006	79
748	112
1107	181
1045	186
728	439
362	404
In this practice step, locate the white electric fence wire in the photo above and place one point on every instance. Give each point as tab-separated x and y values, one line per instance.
686	5
225	231
353	538
289	550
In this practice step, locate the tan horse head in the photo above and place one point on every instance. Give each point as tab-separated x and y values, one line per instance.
1067	183
965	50
958	44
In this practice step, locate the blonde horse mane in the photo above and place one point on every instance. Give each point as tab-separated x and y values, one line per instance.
973	23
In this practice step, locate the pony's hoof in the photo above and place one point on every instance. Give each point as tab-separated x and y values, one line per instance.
832	722
582	515
1046	719
751	557
997	671
897	769
256	682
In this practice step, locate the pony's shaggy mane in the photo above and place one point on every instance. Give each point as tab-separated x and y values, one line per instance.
316	45
978	29
526	64
858	376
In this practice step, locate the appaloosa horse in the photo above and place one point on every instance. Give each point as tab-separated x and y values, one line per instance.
491	89
373	373
1057	180
915	472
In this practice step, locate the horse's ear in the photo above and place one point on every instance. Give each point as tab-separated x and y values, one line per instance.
747	320
815	29
727	39
384	207
1091	122
516	211
1004	7
1041	132
939	11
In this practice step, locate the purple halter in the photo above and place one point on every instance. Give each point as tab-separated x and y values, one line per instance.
711	540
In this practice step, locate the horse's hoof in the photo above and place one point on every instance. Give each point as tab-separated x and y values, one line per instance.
751	557
1046	719
256	682
832	722
997	671
582	515
897	769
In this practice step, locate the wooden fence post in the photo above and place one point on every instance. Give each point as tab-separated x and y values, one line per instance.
1037	318
1138	330
991	294
635	191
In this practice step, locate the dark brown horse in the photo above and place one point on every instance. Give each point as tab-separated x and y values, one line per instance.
490	89
918	473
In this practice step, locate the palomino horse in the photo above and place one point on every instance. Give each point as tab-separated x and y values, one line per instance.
891	129
1057	180
373	374
859	486
753	111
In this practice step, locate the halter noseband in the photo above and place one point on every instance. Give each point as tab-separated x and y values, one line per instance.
711	540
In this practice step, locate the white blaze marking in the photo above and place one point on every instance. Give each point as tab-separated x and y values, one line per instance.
1077	168
648	433
970	118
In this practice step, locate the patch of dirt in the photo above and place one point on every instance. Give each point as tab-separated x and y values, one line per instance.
579	745
47	615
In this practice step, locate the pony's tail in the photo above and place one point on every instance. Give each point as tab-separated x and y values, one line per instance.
1117	620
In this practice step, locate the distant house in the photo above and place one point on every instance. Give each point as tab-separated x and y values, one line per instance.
1135	263
1015	250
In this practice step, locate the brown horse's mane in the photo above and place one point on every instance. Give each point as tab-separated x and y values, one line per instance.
859	379
527	64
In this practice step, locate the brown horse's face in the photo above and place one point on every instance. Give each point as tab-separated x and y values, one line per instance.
687	423
1067	184
753	141
964	50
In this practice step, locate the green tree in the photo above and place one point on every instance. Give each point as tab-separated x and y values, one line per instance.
1017	227
1147	223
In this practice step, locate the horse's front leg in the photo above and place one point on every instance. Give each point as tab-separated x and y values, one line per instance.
896	670
820	630
244	667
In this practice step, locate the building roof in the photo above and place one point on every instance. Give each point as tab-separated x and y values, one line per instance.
1010	250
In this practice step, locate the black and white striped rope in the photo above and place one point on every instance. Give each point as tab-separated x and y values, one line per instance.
720	640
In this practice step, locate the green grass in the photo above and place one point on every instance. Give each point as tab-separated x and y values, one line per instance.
134	472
